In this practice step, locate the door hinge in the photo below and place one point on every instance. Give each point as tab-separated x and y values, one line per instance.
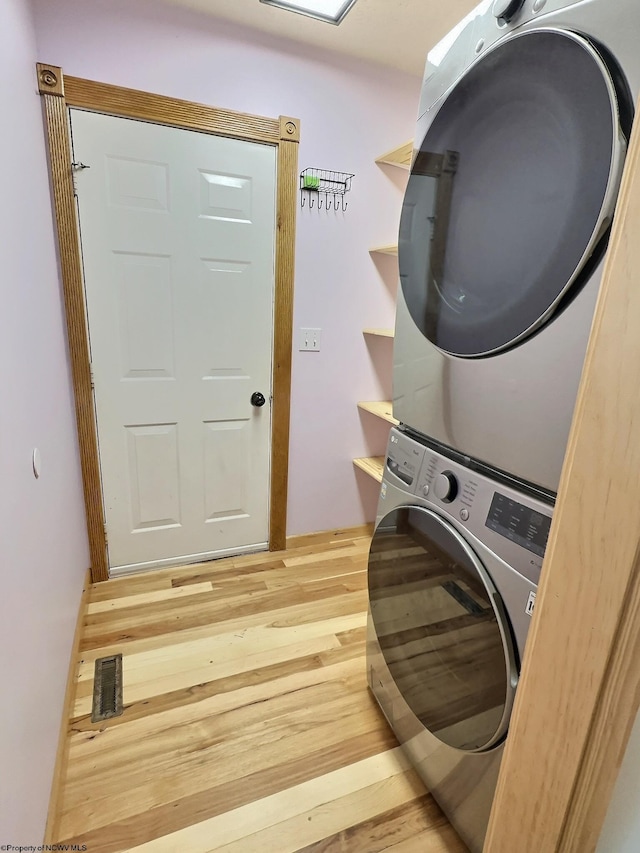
93	384
76	167
106	537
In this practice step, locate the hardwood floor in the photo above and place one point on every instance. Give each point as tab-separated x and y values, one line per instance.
248	725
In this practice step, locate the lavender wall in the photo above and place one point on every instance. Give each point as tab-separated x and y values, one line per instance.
43	551
350	112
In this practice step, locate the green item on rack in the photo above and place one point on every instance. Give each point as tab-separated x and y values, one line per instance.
311	182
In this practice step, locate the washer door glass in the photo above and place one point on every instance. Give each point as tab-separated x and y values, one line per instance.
442	629
511	191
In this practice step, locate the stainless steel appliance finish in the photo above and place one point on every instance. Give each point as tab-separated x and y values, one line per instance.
520	144
453	570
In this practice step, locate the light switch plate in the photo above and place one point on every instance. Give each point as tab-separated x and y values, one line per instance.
310	340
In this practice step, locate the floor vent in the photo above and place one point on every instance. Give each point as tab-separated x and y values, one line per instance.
107	688
463	598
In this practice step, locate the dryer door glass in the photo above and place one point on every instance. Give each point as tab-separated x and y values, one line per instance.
442	629
510	194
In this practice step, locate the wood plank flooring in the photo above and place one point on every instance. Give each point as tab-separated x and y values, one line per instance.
248	725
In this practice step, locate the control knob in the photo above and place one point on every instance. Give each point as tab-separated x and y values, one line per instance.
506	9
446	487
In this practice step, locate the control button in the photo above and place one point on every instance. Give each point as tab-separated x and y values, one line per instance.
425	489
539	4
464	514
506	9
446	486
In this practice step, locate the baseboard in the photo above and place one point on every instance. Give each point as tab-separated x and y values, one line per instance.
62	755
324	536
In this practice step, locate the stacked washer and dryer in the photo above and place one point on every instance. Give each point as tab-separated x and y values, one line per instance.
520	144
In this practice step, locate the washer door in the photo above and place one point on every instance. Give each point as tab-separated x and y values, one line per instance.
511	193
442	629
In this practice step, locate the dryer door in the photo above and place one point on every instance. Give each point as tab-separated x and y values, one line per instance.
442	629
512	192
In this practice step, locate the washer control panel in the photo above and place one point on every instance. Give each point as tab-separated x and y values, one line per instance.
404	458
513	525
445	486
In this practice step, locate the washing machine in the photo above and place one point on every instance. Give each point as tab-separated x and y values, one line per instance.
453	570
523	124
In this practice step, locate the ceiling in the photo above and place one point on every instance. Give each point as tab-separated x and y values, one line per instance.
396	33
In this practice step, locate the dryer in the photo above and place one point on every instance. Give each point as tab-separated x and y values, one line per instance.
520	145
453	570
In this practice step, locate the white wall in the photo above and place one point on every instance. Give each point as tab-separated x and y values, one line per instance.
43	550
621	830
351	112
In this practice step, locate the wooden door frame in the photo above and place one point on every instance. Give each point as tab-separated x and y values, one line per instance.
59	93
580	688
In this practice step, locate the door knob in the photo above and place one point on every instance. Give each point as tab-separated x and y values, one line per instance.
257	399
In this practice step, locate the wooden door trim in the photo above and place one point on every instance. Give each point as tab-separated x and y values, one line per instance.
59	93
57	125
132	103
580	687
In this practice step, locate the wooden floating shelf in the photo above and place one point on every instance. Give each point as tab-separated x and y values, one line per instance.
392	249
400	156
371	465
381	409
381	333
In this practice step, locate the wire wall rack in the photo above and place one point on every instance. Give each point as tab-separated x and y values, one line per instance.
325	186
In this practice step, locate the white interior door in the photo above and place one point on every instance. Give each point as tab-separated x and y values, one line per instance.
178	235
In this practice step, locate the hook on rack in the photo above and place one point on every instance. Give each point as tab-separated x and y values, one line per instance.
345	204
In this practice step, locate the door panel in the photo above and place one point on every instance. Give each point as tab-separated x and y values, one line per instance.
227	459
137	183
177	233
154	475
147	336
225	197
